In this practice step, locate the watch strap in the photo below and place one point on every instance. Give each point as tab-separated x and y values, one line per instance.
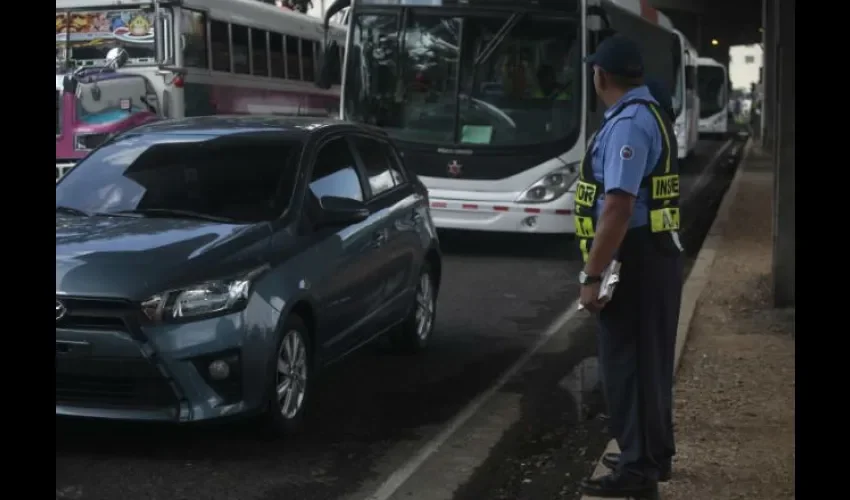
586	279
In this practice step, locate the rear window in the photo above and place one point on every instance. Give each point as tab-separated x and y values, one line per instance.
244	179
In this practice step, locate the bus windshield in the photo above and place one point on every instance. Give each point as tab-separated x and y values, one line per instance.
84	37
712	90
480	78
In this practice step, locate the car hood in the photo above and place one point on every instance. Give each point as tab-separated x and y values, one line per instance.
132	258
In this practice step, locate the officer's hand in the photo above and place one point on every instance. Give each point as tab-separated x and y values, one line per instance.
589	298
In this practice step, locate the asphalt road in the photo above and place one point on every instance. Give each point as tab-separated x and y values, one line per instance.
499	293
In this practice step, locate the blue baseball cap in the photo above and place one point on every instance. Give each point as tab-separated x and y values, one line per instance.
618	55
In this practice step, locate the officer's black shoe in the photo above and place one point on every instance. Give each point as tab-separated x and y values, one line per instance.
612	460
619	485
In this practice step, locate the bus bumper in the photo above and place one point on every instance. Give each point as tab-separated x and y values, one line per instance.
555	217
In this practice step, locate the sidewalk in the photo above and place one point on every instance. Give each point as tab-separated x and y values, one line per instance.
734	394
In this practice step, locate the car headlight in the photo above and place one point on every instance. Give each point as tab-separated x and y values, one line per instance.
551	186
210	298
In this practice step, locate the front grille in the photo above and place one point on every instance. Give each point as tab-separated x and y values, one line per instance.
112	382
95	314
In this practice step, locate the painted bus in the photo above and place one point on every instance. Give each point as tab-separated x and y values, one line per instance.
455	85
200	57
713	89
685	98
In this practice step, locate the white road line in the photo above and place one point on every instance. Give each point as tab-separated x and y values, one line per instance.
397	479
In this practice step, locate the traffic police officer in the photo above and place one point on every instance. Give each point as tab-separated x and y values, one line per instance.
627	208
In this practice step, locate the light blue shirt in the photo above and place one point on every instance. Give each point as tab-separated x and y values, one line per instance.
626	150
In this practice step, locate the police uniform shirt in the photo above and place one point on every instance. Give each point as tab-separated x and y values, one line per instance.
626	150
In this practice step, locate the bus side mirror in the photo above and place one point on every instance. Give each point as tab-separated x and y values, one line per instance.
328	65
116	57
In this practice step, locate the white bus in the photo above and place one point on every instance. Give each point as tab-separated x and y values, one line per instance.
201	57
713	89
685	98
455	85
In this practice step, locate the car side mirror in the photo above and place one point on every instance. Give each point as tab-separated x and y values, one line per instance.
337	211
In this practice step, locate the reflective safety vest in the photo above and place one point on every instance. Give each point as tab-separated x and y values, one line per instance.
662	182
556	95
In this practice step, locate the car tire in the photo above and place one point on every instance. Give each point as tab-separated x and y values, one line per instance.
413	334
291	381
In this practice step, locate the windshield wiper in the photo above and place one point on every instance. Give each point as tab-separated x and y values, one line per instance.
497	39
71	211
175	213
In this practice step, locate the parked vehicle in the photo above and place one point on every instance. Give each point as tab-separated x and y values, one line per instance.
713	86
209	267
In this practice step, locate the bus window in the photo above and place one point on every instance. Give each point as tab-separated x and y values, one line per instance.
220	46
259	52
276	51
239	35
195	49
307	59
293	60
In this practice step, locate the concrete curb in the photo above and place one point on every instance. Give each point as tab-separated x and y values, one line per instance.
695	283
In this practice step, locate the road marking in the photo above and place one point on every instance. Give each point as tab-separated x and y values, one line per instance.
397	479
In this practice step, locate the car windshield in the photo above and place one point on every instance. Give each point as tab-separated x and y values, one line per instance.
488	79
712	90
114	97
240	178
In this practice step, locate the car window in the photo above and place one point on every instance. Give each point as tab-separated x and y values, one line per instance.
335	173
379	170
250	180
396	167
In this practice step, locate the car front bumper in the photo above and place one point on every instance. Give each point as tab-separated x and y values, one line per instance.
110	366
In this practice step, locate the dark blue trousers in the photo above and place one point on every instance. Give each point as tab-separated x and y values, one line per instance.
636	342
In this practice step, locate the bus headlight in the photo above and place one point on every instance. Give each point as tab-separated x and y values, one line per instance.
551	186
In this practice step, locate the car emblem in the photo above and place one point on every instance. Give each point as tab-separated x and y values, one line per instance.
454	168
61	310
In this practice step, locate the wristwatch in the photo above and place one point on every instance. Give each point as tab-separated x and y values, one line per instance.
585	279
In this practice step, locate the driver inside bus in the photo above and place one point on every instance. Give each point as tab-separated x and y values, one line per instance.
548	86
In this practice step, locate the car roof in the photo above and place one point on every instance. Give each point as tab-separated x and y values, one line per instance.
296	127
